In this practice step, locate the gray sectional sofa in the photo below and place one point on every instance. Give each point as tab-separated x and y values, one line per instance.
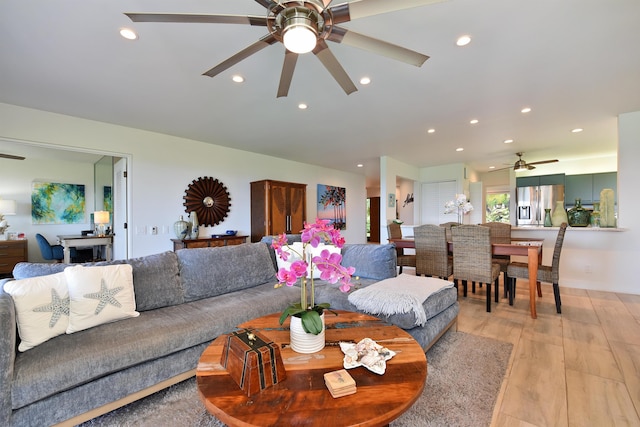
185	299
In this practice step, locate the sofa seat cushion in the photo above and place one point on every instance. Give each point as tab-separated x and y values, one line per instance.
399	295
245	266
434	305
71	360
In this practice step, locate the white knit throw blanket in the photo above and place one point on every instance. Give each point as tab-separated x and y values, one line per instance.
398	295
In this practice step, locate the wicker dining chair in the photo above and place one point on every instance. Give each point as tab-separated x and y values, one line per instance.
395	232
472	258
501	233
447	226
547	274
432	252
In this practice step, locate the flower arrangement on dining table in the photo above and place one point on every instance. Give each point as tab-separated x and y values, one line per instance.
327	263
459	205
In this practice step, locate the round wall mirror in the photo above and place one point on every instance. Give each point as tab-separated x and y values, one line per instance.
210	200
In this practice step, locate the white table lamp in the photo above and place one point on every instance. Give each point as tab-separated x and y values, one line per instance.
101	218
7	207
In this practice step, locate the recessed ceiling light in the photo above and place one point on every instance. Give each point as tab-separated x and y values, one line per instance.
237	78
526	110
431	130
463	40
128	33
492	167
365	80
460	149
302	106
576	130
474	121
360	165
508	141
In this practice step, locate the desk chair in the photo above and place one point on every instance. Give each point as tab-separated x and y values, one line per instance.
546	273
52	252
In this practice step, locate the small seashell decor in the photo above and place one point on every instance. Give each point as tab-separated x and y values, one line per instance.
366	353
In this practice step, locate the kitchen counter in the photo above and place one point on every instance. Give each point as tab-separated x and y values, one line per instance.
571	229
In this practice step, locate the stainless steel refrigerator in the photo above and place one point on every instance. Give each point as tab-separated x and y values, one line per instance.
532	201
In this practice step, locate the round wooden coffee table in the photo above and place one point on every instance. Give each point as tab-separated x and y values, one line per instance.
302	399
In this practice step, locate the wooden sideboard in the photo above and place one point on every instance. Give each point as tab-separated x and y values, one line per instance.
208	243
11	253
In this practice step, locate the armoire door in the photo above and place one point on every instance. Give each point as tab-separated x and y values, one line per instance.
297	203
279	208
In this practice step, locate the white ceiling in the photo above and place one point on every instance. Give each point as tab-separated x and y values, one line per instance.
576	63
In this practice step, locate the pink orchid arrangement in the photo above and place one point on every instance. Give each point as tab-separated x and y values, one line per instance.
327	263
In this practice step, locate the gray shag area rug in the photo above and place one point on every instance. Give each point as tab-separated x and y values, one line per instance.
465	373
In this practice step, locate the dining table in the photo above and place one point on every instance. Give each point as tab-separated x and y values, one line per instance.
531	248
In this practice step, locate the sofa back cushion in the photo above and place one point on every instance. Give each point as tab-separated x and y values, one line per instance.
207	272
156	281
370	261
267	240
27	270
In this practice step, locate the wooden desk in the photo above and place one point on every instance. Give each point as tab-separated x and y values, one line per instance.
208	243
531	248
75	241
11	253
302	399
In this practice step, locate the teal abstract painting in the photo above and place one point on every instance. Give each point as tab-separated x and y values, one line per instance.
55	203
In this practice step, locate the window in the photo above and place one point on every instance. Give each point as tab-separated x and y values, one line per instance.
497	206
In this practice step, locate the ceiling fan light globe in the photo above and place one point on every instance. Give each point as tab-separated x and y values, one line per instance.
299	38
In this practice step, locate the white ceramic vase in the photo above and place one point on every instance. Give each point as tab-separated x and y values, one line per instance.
302	341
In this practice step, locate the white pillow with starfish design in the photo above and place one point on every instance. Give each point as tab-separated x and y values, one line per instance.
99	295
42	308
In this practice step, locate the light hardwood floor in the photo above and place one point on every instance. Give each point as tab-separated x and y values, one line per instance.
578	368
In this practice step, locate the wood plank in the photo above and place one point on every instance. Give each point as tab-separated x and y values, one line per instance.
536	389
597	401
628	357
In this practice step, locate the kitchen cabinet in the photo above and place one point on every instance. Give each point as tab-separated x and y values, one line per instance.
588	186
11	253
277	207
535	181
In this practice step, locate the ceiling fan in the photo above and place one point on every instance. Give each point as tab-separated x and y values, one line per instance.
520	165
305	26
11	156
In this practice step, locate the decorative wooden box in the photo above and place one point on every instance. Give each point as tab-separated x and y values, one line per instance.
252	360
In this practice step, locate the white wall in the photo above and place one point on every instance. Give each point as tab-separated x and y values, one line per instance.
390	170
161	169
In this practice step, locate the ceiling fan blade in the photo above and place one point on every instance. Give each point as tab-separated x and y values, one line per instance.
199	18
543	162
359	9
501	169
333	66
360	41
266	3
265	41
288	66
11	156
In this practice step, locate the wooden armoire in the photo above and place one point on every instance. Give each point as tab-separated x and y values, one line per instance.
277	207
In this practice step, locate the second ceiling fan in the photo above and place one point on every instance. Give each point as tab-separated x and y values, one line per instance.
305	26
521	165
